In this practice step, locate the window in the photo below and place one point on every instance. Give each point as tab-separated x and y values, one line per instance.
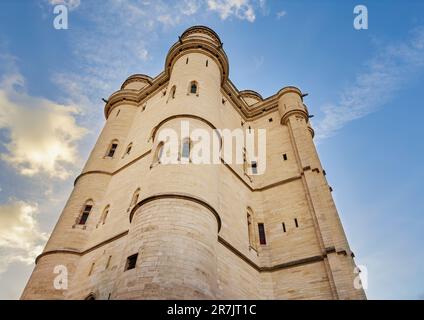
185	152
284	227
187	60
296	223
129	149
173	90
131	262
250	226
160	152
285	157
91	296
85	214
261	229
270	120
193	87
108	262
135	196
254	167
91	269
207	63
105	214
112	149
117	113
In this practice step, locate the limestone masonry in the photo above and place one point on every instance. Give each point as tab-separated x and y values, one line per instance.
135	228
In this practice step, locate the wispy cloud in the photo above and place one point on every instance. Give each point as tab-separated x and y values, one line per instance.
42	134
384	75
242	9
71	4
106	53
20	237
281	14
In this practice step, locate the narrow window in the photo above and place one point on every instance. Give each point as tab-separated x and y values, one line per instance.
135	196
91	269
187	60
185	153
173	89
84	216
251	232
108	262
108	297
193	87
261	229
296	223
250	129
285	157
128	149
284	227
119	110
207	63
254	167
270	119
131	262
157	159
105	214
160	153
112	149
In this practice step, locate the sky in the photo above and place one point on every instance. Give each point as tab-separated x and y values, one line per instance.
365	92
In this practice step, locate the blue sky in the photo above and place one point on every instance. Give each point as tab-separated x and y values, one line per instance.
364	89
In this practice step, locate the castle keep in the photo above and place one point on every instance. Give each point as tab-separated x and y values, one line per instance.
135	228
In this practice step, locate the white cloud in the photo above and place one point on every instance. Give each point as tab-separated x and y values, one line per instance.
42	134
386	73
20	237
169	20
189	7
71	4
242	9
281	14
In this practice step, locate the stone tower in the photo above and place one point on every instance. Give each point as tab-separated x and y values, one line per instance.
136	228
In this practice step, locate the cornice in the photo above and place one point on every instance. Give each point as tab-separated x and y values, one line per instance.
137	77
213	48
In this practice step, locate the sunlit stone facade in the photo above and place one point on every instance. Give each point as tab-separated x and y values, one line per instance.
134	228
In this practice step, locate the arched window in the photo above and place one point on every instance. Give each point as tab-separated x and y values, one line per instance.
172	93
158	154
251	229
193	87
112	149
91	296
105	214
85	212
134	199
185	150
129	147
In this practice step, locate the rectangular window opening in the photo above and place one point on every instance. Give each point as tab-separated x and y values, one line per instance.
284	227
112	149
91	269
296	223
262	237
131	262
285	157
108	262
254	167
85	214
